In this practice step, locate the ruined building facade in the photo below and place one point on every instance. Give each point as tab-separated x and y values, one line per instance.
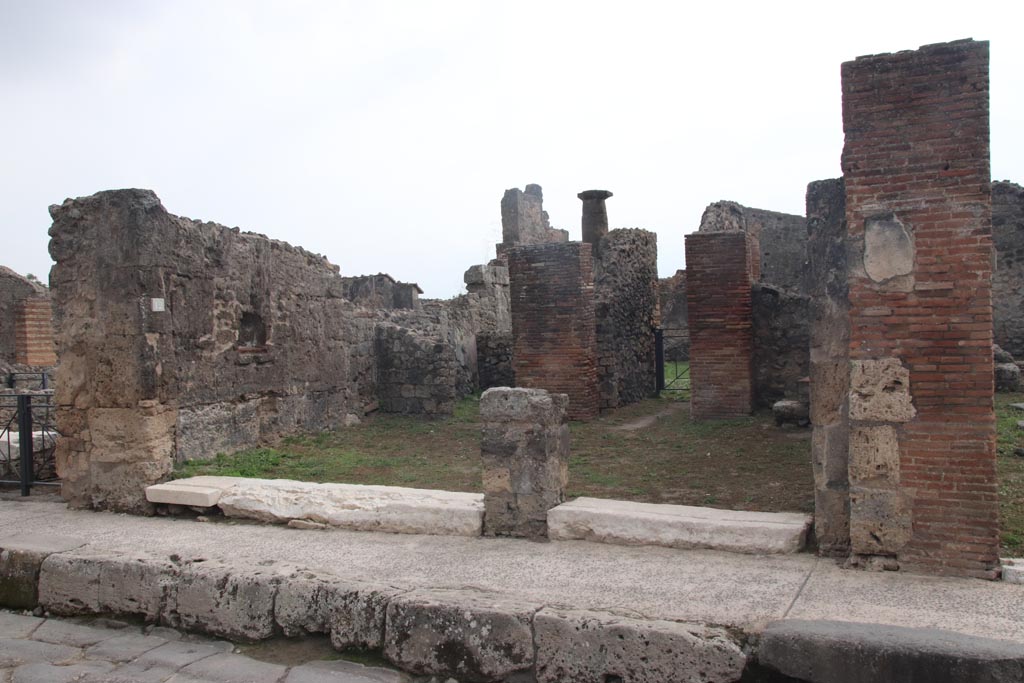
26	335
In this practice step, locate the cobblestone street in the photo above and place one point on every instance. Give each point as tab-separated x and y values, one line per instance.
36	650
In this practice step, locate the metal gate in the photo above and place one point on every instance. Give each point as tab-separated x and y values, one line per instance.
672	358
27	437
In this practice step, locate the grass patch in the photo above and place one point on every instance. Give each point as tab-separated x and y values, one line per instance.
745	464
1009	438
741	464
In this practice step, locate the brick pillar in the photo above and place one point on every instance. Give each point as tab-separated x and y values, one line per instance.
829	306
719	276
525	452
33	332
553	325
922	474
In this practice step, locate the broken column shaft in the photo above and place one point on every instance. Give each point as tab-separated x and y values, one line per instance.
595	215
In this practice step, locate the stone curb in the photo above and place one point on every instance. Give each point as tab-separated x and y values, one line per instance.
478	636
844	652
470	635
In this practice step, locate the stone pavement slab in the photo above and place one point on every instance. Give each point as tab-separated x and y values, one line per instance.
130	655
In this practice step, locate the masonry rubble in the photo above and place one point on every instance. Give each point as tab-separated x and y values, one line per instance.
525	452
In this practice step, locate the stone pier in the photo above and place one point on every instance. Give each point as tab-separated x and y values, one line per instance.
922	468
720	272
525	451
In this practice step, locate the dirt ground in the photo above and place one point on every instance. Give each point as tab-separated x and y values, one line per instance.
648	452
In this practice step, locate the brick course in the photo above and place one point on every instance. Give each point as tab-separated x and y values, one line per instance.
553	322
33	332
917	156
720	271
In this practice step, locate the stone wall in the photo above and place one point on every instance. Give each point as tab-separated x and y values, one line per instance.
923	491
553	323
781	341
1008	279
673	316
26	325
381	291
416	374
524	220
829	363
178	339
626	300
719	275
781	239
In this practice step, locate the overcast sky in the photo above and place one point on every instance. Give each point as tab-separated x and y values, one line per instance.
383	133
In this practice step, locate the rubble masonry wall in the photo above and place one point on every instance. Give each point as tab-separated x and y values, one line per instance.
1008	278
626	300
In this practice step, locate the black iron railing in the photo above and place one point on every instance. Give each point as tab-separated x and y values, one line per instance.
27	436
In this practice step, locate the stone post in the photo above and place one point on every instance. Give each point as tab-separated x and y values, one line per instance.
595	215
525	452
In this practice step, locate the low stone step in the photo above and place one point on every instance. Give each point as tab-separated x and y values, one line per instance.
678	526
392	509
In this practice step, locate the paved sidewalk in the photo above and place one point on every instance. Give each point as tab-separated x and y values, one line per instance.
34	650
694	586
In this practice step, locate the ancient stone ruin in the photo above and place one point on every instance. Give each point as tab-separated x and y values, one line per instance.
179	339
26	335
584	313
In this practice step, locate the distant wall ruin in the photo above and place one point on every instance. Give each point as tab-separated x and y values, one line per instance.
1008	278
626	293
26	322
778	302
720	272
553	322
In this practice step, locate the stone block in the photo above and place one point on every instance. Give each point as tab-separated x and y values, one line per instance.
352	613
19	578
590	646
832	521
880	391
829	386
874	456
525	453
21	559
182	494
1013	570
70	584
352	506
468	635
880	521
232	668
830	446
532	406
342	672
1007	377
222	601
678	526
888	250
845	652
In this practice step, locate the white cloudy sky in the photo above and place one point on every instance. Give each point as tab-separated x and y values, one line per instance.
383	133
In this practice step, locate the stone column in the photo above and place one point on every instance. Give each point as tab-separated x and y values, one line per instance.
595	215
525	451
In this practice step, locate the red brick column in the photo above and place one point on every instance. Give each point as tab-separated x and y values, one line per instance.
553	325
33	332
923	487
719	274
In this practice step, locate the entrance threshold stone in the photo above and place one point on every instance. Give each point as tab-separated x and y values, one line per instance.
678	526
392	509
